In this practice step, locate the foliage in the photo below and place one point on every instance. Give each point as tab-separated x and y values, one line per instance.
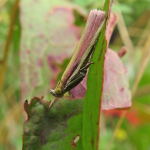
135	14
56	127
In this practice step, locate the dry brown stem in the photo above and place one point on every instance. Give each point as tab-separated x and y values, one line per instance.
2	3
142	91
7	44
123	31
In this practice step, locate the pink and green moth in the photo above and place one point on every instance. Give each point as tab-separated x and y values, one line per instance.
79	63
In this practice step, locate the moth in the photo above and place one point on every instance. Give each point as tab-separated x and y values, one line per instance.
79	63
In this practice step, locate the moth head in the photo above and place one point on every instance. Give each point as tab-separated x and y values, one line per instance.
57	92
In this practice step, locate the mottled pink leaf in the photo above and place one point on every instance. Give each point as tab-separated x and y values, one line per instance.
47	34
116	93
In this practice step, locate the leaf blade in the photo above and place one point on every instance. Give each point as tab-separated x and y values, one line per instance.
92	101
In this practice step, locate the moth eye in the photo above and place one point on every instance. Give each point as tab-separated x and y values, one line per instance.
58	91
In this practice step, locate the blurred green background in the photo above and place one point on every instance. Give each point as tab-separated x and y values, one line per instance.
132	31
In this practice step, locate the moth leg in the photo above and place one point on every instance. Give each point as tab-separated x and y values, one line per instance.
88	57
96	42
86	67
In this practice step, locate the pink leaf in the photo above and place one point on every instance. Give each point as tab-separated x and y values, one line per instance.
116	93
48	31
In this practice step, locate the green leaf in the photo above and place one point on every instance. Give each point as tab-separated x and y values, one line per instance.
91	111
55	128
